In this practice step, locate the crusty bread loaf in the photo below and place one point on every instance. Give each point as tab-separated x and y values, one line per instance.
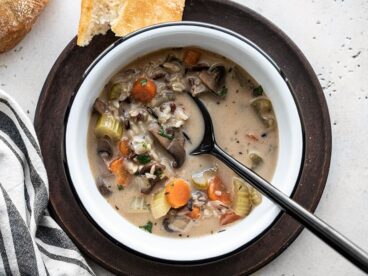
16	20
124	16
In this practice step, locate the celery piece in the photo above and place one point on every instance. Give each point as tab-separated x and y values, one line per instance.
200	181
107	125
242	205
159	205
261	105
115	92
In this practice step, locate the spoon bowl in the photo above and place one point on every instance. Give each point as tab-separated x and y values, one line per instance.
208	142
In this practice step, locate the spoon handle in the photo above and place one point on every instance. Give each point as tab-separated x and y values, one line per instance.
321	229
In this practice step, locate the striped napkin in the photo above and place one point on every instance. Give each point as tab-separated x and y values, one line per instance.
31	243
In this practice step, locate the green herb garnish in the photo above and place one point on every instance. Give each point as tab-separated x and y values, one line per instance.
120	187
147	227
143	82
162	132
258	91
222	92
158	173
143	159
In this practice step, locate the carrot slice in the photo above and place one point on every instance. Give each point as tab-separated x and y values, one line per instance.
252	136
191	57
116	165
195	213
124	147
229	218
144	90
217	190
117	168
177	192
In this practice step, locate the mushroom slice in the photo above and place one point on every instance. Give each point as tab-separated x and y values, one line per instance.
163	97
199	198
208	79
147	168
104	184
100	106
196	86
196	90
156	132
157	73
151	184
199	67
178	86
146	185
166	223
214	79
104	148
173	145
125	76
176	149
173	67
181	224
239	74
173	58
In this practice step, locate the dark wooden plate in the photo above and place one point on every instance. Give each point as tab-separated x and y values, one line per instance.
50	119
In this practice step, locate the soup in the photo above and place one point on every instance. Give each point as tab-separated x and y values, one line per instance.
144	125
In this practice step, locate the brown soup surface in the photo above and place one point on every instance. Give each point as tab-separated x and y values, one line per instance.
144	125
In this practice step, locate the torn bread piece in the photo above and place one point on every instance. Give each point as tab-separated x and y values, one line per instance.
137	14
96	16
124	16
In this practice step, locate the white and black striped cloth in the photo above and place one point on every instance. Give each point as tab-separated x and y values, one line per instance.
31	243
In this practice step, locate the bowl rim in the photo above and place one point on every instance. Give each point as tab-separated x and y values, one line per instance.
194	24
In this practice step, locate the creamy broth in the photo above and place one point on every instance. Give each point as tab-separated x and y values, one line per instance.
245	133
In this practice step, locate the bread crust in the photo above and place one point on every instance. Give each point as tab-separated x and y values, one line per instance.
16	20
137	14
84	22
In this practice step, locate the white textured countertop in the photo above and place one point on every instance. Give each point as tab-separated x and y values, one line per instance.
333	35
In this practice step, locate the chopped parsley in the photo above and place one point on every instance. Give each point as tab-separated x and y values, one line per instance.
147	227
162	132
120	187
143	159
143	82
222	92
258	91
158	173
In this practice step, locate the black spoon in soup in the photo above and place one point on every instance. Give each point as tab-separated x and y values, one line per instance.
321	229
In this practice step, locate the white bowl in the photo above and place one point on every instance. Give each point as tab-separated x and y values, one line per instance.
223	42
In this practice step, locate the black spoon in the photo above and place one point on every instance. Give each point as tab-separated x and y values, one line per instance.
321	229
